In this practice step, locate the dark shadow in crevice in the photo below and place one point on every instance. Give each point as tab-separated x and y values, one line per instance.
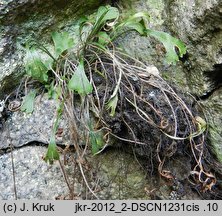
214	77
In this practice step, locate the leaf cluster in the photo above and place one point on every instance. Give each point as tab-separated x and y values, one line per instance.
98	30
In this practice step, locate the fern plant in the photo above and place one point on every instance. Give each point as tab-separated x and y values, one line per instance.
98	31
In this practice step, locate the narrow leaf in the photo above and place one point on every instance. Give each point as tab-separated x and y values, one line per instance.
112	103
100	12
104	38
137	26
79	81
103	15
142	14
28	102
137	17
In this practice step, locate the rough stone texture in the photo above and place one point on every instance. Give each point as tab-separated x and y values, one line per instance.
141	47
148	49
34	178
213	109
24	20
122	179
198	24
22	128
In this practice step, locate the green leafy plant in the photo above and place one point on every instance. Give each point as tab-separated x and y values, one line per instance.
79	81
62	42
104	15
96	139
35	66
70	70
52	153
170	43
61	73
28	102
137	22
112	103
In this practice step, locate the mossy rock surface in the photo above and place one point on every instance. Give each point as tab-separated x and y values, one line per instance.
23	21
197	24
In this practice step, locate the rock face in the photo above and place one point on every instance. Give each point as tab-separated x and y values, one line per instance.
34	179
22	128
197	23
148	49
213	109
21	21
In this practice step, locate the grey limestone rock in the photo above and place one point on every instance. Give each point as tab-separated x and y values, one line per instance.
22	128
213	110
34	178
198	24
22	21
